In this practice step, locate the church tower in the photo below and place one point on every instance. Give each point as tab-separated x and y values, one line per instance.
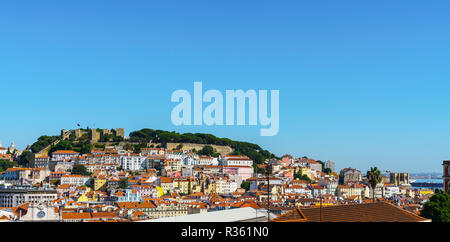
446	176
12	148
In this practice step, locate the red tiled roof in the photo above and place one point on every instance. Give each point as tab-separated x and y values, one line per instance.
65	152
366	212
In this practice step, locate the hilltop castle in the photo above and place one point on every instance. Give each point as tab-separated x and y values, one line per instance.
95	135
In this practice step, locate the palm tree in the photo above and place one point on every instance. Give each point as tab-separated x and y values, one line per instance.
373	177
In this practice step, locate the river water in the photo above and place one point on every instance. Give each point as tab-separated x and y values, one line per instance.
428	181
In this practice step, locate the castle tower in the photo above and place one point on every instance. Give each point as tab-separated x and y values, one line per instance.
78	133
446	176
120	132
95	135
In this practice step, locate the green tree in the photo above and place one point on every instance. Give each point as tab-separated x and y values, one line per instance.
303	177
43	142
327	171
208	151
128	146
91	184
25	158
123	183
117	138
137	148
86	148
62	145
245	185
438	207
56	183
373	177
80	170
5	164
253	151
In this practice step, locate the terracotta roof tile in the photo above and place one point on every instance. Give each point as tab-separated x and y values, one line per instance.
366	212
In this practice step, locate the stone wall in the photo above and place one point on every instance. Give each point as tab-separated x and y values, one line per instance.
223	150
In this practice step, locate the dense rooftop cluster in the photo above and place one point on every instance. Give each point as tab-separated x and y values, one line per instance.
116	184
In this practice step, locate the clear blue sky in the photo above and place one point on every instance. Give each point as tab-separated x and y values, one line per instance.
362	83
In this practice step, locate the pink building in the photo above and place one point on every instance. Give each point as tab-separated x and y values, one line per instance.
287	174
243	171
287	160
174	174
144	190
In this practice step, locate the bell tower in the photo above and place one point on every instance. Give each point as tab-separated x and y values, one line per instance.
446	176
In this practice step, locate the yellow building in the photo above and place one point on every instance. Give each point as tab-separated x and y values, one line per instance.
100	183
159	191
184	185
426	193
85	198
91	196
305	171
174	165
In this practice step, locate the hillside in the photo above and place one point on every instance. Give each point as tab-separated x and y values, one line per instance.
142	138
254	151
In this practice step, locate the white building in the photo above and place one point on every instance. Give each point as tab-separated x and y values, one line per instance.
329	164
61	155
175	154
296	189
225	186
133	162
200	161
16	197
246	214
113	159
390	191
77	180
236	161
329	184
207	161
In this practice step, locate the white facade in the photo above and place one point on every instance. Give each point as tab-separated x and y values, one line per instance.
175	155
200	161
77	180
295	189
330	185
133	162
391	191
61	155
236	161
3	151
329	164
225	186
16	197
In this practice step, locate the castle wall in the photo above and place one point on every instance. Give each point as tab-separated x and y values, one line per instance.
223	150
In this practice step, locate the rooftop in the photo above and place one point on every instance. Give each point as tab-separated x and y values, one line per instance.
366	212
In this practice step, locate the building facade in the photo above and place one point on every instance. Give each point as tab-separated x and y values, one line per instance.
133	162
16	197
398	179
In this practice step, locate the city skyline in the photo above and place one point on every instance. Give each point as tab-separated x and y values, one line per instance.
360	84
339	166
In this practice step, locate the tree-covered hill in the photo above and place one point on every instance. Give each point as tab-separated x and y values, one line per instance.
253	151
144	136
